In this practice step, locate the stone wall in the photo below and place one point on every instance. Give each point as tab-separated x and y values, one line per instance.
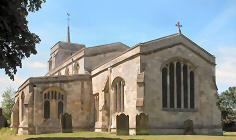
77	91
127	69
205	116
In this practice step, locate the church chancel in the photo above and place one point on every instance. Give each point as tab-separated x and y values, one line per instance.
169	82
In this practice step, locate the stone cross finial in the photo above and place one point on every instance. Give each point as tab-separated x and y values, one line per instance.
178	25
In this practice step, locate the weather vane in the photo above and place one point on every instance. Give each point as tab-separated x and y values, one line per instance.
68	18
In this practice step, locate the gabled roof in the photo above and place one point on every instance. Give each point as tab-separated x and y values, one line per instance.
171	41
106	48
63	45
157	45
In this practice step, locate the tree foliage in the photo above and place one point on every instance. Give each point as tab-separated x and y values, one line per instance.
16	41
8	102
227	105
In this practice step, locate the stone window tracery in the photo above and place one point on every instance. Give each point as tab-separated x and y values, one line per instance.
49	97
118	87
178	85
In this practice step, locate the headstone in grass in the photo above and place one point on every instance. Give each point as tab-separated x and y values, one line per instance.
122	124
3	120
188	127
66	123
142	124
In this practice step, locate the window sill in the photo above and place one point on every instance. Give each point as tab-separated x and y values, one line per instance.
179	109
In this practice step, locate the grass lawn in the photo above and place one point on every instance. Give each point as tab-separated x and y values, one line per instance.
6	134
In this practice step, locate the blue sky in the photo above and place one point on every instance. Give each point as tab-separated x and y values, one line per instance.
211	24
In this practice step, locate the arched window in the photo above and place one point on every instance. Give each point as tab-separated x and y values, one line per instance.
178	85
46	109
50	96
118	87
76	68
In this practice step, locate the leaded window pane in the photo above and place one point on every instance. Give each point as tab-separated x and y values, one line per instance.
164	87
178	84
172	85
185	82
191	89
46	109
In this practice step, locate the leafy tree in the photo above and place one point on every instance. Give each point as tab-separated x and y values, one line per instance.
16	41
8	102
227	105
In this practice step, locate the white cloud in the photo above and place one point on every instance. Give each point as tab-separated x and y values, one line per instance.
226	67
35	65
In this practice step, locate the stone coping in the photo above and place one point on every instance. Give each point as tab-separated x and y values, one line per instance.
54	79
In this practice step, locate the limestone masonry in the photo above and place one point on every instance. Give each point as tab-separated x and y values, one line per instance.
170	79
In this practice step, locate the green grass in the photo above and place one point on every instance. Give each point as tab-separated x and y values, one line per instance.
7	134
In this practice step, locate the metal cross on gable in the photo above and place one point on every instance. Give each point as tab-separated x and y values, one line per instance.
178	25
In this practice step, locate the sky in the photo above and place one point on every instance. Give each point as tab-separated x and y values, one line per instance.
211	24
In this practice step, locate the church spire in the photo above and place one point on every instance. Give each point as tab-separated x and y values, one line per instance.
68	29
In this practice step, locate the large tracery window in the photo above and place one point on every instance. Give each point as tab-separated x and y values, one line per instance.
118	88
50	97
178	85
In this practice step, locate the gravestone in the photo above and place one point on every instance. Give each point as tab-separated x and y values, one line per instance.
3	120
66	123
142	122
122	124
188	127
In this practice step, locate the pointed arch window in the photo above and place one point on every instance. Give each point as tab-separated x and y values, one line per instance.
178	85
118	88
49	96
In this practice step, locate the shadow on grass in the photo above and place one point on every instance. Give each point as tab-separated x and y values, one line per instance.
77	138
70	138
230	135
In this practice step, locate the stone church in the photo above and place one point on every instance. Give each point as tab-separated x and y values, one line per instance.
171	79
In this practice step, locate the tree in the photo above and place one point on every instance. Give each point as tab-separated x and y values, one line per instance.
16	41
227	105
8	102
